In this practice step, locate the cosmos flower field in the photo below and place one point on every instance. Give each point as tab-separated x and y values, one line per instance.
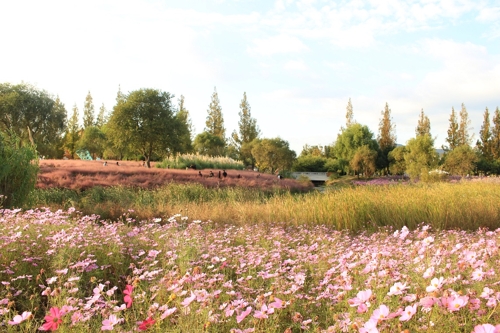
66	272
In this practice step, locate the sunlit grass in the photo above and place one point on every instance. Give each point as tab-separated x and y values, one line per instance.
466	205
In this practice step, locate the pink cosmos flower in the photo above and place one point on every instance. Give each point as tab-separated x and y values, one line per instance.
168	312
243	314
456	303
369	327
52	321
408	313
277	304
397	289
380	314
20	318
435	284
188	300
362	297
108	324
128	295
144	325
486	328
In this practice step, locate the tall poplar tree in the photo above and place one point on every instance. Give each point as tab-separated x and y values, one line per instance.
484	142
248	131
73	133
424	125
101	116
452	138
215	121
349	116
495	135
463	128
88	112
387	137
186	128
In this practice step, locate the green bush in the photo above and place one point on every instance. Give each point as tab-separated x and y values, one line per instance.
18	170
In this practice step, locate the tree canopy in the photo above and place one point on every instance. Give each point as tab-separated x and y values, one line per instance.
26	110
145	120
273	154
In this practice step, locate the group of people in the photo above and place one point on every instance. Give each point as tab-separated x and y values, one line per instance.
211	174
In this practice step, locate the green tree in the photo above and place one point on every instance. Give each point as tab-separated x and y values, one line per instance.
93	140
313	151
26	110
186	128
461	160
18	170
484	142
349	116
88	112
420	156
386	137
464	138
309	163
364	161
352	138
397	164
101	116
117	146
206	143
147	123
215	121
73	133
248	131
495	135
424	125
273	155
453	137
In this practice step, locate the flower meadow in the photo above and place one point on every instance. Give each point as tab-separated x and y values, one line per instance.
68	272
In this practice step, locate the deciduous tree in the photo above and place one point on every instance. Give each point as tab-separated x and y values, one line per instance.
215	121
147	123
386	137
364	161
88	112
484	142
206	143
495	135
463	137
248	131
273	155
26	110
352	138
397	163
73	133
453	137
424	125
186	128
461	160
420	156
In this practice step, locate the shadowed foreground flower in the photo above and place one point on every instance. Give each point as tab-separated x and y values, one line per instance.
20	318
144	325
486	328
128	295
52	321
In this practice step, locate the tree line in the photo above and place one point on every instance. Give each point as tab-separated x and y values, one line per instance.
148	124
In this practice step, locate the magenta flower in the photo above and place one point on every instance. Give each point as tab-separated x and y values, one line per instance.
144	325
52	321
128	295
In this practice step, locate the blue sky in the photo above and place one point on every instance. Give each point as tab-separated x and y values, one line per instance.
299	61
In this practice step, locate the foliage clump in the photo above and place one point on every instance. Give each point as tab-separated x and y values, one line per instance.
18	170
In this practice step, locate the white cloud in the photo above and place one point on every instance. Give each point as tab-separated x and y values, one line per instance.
295	65
489	14
277	44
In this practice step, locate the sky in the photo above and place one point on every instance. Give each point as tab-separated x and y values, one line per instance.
299	61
